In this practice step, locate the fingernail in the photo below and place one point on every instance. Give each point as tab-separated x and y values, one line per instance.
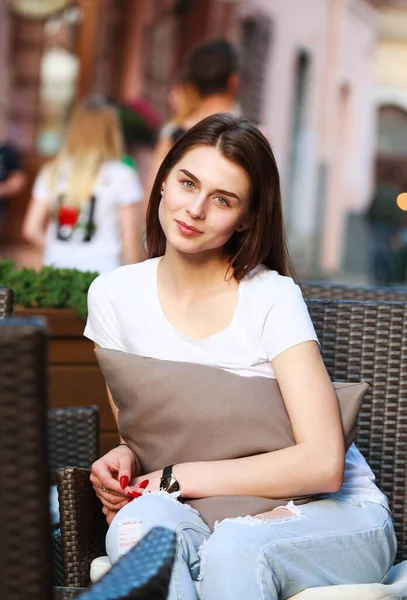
124	480
143	484
132	494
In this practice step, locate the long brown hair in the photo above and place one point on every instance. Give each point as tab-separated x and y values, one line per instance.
239	141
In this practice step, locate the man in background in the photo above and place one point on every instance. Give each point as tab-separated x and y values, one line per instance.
12	179
213	69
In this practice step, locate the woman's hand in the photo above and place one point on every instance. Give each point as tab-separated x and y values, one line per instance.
109	514
139	483
110	476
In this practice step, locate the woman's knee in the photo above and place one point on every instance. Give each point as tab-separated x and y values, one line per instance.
136	519
232	563
228	546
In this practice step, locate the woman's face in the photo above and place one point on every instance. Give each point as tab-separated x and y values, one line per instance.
205	200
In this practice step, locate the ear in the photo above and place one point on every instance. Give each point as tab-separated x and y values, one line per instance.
246	223
243	226
162	187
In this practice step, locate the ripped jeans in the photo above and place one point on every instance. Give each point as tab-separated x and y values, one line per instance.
328	542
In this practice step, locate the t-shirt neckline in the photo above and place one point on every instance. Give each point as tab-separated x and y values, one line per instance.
179	334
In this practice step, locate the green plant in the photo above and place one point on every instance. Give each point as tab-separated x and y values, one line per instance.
48	288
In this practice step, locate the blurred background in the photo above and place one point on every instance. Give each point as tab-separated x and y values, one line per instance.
326	80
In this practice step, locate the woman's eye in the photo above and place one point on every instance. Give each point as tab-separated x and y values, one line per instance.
188	184
222	201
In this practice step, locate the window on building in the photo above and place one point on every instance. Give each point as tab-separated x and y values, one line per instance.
392	131
301	83
255	43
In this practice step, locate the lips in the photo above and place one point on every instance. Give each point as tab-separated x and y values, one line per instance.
187	229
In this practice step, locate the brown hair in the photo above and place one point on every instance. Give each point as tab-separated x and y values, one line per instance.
210	66
239	141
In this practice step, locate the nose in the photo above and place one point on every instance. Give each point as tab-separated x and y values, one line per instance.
196	208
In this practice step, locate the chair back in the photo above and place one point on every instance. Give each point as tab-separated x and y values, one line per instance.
73	437
368	341
336	291
25	538
6	302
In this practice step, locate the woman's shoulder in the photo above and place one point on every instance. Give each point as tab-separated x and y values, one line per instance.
269	286
119	180
123	280
118	170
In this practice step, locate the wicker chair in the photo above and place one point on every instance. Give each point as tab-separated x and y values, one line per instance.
6	302
73	439
73	432
360	341
144	573
320	290
25	540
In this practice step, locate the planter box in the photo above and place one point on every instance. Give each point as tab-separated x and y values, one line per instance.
74	375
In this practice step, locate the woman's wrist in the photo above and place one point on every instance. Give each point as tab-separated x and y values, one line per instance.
136	462
187	475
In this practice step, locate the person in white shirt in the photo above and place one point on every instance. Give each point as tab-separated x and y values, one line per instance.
218	290
86	204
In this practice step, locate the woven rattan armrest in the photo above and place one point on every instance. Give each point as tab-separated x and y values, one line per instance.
73	437
83	525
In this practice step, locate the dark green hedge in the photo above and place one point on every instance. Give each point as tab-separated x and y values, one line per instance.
47	288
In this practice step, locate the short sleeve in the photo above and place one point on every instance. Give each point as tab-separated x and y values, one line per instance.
41	191
288	322
102	324
126	185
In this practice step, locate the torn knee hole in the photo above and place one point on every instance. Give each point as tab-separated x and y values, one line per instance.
129	534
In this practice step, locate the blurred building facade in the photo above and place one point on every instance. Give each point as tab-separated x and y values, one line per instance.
308	75
317	107
391	91
55	52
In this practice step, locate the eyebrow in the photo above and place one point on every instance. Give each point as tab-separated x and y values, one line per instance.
218	191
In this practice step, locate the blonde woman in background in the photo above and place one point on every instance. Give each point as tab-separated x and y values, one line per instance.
85	210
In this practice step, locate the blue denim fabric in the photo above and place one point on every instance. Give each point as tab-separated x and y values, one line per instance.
160	509
328	542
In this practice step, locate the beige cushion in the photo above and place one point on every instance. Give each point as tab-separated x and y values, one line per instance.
173	412
395	587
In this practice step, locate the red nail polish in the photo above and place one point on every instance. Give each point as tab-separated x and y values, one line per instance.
133	494
143	484
124	480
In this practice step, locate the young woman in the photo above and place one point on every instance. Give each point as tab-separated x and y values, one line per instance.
86	205
217	291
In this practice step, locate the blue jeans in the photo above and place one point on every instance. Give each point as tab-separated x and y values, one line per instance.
327	542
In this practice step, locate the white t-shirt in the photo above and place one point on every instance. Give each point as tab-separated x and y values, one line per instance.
116	185
271	316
